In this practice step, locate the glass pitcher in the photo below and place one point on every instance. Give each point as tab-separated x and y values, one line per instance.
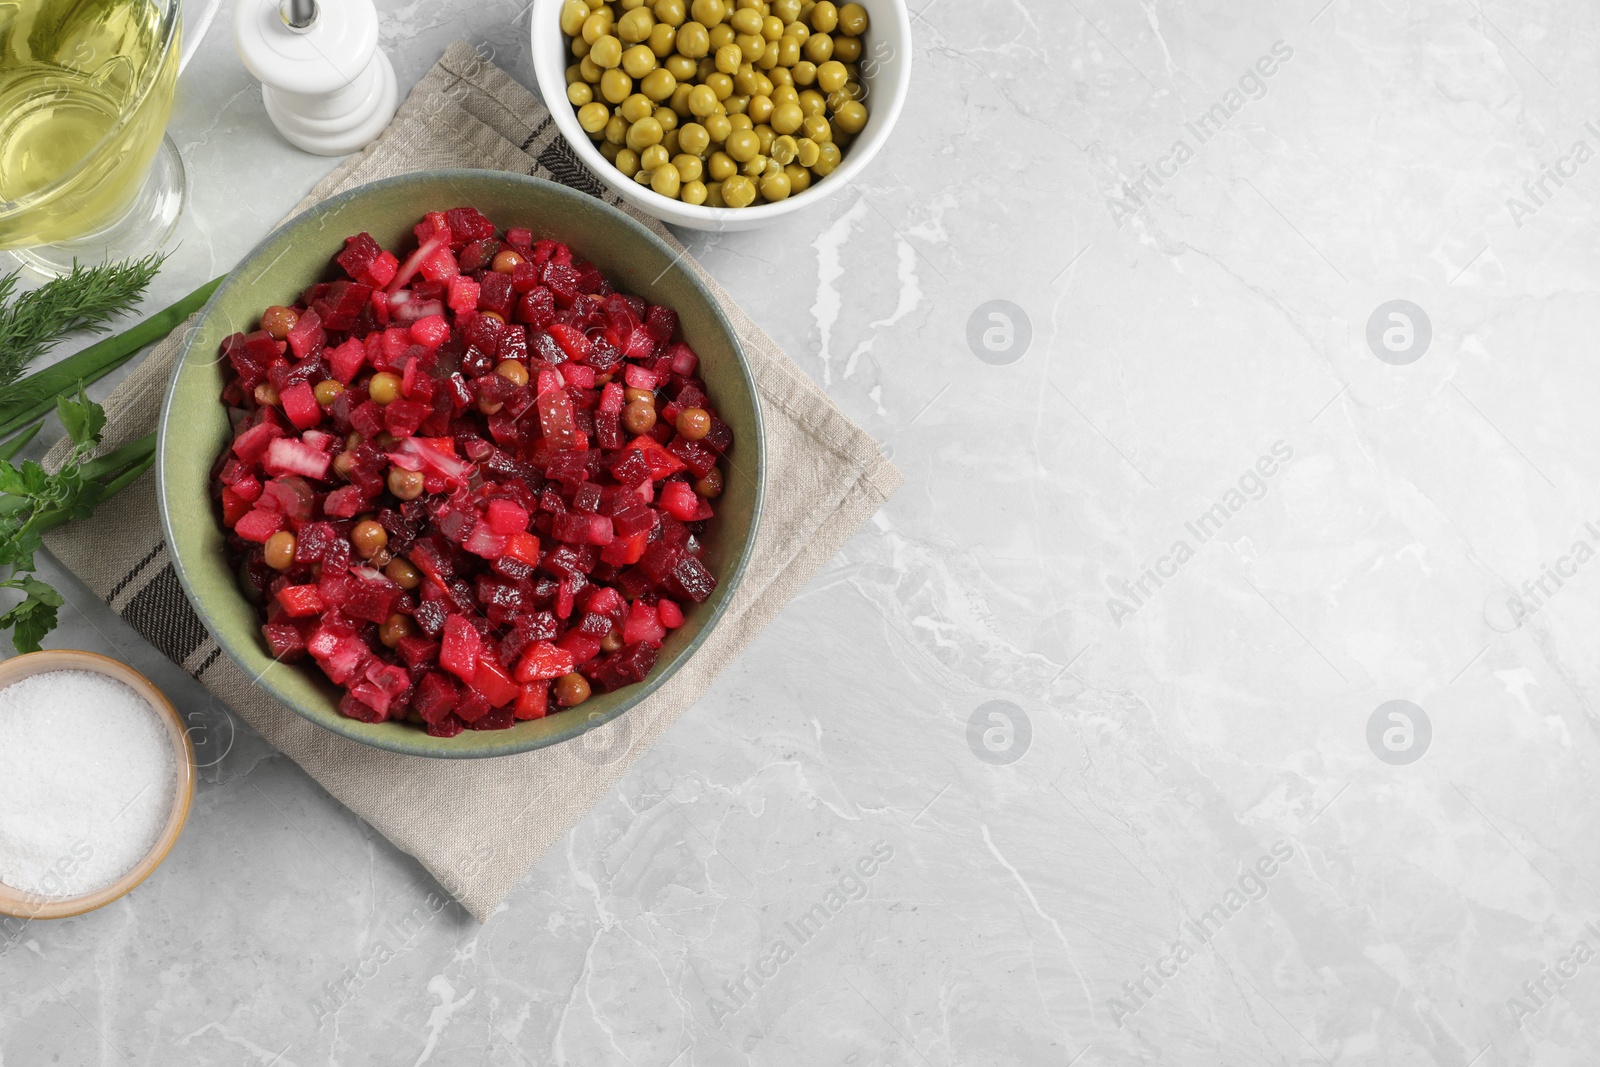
86	169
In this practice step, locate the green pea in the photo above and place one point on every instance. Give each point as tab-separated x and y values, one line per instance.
853	20
658	84
663	41
690	168
693	192
573	15
742	145
852	117
824	17
644	133
606	52
708	12
654	157
831	76
817	129
787	117
635	26
745	20
693	138
827	158
738	191
799	178
775	187
615	86
593	117
693	41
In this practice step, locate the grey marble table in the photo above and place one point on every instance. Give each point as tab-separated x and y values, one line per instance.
1240	360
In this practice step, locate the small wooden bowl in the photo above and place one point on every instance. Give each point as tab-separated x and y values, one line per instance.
24	905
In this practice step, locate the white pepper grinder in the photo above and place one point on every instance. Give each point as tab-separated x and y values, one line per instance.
328	87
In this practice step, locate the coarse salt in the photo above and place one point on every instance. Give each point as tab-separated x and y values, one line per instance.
86	782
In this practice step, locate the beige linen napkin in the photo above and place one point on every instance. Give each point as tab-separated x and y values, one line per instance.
479	825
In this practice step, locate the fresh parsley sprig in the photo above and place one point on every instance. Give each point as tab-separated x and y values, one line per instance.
86	299
35	501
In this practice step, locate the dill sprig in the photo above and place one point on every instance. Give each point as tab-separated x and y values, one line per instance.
86	299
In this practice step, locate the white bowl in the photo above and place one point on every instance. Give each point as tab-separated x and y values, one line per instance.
886	74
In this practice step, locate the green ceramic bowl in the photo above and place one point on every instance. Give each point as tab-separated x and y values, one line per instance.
195	428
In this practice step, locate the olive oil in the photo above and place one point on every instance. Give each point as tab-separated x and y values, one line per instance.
85	92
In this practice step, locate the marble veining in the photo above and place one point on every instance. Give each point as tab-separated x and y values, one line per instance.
1306	288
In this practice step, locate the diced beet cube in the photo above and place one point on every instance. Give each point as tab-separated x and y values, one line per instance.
625	550
430	331
283	641
252	444
627	665
495	294
381	271
562	281
402	417
679	501
643	624
301	601
660	322
556	421
684	361
449	726
493	682
430	615
583	647
697	457
460	650
586	497
344	502
306	337
372	600
496	719
662	464
659	560
436	697
536	308
571	339
463	296
630	467
344	362
259	524
440	266
543	660
506	517
359	253
580	528
417	650
533	701
691	580
468	224
474	706
300	404
234	507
